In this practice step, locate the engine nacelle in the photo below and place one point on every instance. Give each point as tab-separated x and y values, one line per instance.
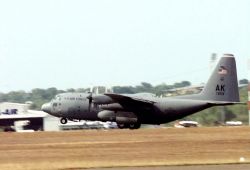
107	115
102	99
119	117
112	106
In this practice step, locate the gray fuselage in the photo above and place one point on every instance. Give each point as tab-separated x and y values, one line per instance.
76	106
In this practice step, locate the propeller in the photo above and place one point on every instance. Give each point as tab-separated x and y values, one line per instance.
90	97
95	98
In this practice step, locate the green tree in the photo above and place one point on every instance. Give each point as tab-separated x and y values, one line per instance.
243	81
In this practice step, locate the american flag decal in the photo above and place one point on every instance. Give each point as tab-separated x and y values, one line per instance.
222	70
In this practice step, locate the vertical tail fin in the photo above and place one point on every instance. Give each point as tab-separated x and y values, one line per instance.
223	83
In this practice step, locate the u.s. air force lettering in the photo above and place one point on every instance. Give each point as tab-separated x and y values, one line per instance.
220	89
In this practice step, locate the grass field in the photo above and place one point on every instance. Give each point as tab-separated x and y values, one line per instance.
144	147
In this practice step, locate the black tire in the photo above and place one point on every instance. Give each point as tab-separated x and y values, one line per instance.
123	126
63	120
135	126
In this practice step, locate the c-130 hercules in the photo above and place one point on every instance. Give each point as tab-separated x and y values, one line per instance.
132	110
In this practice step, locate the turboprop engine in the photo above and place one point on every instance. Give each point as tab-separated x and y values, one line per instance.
106	115
123	119
102	99
119	117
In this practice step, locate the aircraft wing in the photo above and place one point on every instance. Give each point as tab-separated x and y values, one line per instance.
222	103
130	101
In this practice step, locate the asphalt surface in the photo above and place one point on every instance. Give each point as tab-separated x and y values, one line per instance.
191	167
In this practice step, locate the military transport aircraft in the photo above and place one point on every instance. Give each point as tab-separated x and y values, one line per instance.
132	110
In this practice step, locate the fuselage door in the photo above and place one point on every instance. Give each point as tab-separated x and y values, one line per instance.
54	106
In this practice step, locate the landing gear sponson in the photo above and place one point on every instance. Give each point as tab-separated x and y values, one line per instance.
120	126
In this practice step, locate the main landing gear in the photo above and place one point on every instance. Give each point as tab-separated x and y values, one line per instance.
130	126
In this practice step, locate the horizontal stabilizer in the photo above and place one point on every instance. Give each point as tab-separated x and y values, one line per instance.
217	103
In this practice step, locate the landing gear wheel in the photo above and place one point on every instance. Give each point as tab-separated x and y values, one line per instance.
122	126
135	126
63	120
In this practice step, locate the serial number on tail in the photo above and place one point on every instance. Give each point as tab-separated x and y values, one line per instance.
220	89
220	93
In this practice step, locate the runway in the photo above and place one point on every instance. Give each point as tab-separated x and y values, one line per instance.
158	148
190	167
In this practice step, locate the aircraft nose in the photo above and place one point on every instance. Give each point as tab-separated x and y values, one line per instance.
46	108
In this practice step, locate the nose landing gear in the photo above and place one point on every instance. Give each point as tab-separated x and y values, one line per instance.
63	120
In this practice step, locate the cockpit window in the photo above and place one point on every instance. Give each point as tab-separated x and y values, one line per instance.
54	104
57	97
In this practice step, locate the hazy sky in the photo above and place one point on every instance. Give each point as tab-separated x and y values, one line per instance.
74	44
